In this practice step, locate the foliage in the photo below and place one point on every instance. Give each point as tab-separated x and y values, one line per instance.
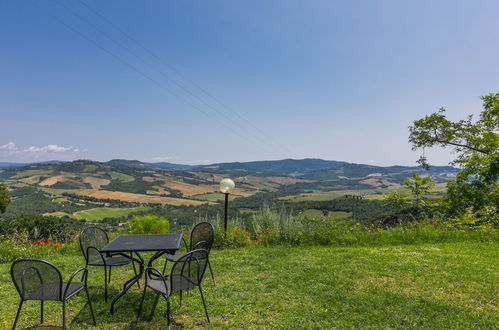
419	186
33	227
477	147
4	198
396	200
148	224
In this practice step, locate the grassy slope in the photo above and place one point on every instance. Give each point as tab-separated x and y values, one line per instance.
449	285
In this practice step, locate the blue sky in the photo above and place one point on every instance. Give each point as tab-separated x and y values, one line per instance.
339	80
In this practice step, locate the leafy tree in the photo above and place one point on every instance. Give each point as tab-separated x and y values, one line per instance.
4	198
419	186
396	200
476	144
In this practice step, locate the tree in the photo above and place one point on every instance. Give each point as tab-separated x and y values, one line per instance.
4	198
419	186
476	144
396	200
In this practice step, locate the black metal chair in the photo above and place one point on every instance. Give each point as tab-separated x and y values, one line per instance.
92	239
202	237
187	272
37	279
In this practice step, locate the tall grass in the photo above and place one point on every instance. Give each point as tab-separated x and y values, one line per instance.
272	225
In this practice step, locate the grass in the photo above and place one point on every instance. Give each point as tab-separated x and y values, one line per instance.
121	176
447	285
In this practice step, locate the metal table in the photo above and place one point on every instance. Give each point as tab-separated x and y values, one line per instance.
126	245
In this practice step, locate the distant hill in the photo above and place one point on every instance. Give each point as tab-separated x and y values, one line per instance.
138	163
292	167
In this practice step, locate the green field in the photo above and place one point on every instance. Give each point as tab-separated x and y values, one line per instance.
121	176
426	286
100	213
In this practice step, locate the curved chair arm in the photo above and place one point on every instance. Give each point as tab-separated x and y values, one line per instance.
201	245
157	273
84	278
100	253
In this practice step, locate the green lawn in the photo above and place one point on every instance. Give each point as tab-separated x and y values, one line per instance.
451	285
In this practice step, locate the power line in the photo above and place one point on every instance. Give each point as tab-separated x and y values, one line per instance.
146	76
174	69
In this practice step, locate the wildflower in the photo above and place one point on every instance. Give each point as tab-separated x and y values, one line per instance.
246	233
489	227
267	231
44	241
49	241
156	230
424	223
141	230
57	244
434	223
38	241
260	240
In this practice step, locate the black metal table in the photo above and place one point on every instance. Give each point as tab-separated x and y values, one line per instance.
161	243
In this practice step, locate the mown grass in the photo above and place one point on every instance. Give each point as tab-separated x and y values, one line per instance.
443	285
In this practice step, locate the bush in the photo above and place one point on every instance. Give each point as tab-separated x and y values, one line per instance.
148	224
33	227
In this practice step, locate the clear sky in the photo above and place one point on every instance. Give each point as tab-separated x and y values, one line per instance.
214	81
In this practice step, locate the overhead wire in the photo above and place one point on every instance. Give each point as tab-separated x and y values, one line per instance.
181	75
144	75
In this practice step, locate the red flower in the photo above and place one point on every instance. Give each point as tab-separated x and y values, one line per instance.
44	241
48	241
424	223
246	233
57	244
156	230
489	227
38	241
434	223
141	231
243	226
267	231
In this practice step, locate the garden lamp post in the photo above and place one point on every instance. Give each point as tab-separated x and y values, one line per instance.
226	187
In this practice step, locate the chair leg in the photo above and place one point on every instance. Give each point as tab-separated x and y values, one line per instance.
135	271
204	303
211	272
41	311
105	281
64	314
168	312
142	299
180	305
90	305
166	260
17	314
109	281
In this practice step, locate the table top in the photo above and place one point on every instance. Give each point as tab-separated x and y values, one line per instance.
144	242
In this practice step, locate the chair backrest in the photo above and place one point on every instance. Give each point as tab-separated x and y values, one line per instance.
36	279
189	270
202	236
92	237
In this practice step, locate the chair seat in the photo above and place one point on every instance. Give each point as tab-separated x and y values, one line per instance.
179	283
50	291
111	261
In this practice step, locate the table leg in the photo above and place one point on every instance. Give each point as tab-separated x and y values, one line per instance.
132	281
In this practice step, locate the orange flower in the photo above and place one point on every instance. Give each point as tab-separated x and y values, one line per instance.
434	223
424	223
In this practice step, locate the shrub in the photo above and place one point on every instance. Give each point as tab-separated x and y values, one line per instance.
148	224
32	227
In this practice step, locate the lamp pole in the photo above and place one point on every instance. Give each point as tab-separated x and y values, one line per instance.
226	208
226	187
